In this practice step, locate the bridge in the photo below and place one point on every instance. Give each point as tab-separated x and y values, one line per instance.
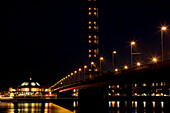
147	82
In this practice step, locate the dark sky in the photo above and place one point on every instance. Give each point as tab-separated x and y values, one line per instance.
47	40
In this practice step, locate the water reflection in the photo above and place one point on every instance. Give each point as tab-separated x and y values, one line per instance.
9	107
138	106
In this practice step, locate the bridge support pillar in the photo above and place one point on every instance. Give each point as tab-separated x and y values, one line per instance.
93	100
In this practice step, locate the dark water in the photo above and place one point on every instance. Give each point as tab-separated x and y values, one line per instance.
68	106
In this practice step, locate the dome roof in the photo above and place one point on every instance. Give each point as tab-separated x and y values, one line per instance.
30	84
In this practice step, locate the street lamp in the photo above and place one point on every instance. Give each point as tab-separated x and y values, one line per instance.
131	45
116	70
79	74
163	28
85	72
75	72
101	58
114	52
154	59
125	67
92	63
138	64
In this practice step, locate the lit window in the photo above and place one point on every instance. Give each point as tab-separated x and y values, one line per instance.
89	22
95	41
89	51
95	69
89	55
89	41
153	84
94	22
89	36
95	55
89	27
95	13
144	84
95	27
89	13
89	8
95	37
94	8
37	83
89	69
95	51
32	84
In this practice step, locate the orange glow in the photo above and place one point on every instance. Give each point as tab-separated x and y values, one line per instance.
94	22
89	55
95	51
75	71
89	27
89	8
95	13
95	37
101	58
154	59
114	52
89	36
79	69
92	63
95	69
132	43
95	55
89	13
95	27
85	66
138	64
89	51
163	28
125	67
116	70
89	22
89	41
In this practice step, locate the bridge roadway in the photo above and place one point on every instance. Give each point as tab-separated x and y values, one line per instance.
151	72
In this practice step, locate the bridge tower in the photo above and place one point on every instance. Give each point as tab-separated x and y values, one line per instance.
93	36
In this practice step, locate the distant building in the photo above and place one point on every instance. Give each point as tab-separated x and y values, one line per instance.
28	88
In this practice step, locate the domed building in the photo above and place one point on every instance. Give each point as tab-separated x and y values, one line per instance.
29	88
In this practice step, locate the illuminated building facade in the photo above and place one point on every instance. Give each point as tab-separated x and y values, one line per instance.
93	35
29	88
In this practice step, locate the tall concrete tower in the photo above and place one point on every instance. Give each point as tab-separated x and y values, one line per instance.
93	36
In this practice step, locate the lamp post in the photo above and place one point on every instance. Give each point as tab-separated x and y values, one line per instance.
131	45
125	67
72	77
138	64
101	58
85	72
162	29
113	53
154	60
92	63
75	72
79	74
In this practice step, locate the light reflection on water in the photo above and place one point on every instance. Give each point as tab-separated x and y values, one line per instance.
9	107
116	106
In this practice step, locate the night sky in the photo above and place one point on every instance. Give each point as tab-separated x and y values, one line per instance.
47	40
